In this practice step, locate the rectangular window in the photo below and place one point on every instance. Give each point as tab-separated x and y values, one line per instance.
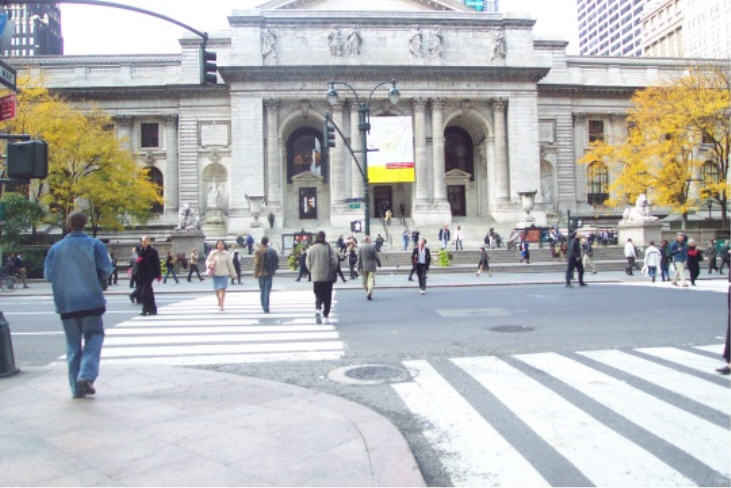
596	131
149	135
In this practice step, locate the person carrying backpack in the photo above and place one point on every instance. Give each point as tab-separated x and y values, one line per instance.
266	263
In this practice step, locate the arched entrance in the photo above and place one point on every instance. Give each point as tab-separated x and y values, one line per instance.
459	167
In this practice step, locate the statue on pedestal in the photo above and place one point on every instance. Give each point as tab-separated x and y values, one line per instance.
640	212
186	218
213	199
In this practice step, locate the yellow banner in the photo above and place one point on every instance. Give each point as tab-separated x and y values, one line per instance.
382	174
393	160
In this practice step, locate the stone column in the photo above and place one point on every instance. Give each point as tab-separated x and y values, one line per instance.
581	141
336	163
274	167
356	178
437	122
422	186
171	165
124	130
502	173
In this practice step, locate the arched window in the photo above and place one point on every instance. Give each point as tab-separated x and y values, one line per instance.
304	153
458	150
155	176
597	182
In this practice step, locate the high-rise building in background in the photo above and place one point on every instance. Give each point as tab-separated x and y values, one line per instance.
482	5
610	27
707	29
37	30
662	29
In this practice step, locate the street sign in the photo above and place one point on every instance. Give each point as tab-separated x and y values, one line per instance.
7	107
7	76
354	206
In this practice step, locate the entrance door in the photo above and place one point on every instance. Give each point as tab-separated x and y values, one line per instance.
382	200
456	198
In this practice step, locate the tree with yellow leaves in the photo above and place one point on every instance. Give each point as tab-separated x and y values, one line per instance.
87	166
675	131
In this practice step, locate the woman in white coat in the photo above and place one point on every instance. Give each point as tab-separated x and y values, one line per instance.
221	267
652	260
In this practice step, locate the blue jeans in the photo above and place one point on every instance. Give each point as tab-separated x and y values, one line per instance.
652	272
406	243
265	288
83	361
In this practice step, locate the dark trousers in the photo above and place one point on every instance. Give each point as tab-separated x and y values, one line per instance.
727	347
695	270
148	298
724	264
323	296
171	270
340	272
304	271
194	267
421	274
113	277
237	268
411	273
630	265
578	265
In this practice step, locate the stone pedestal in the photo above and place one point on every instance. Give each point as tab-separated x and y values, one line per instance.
641	232
183	241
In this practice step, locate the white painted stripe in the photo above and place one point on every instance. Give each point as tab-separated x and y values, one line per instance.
219	338
701	439
44	333
161	322
604	456
714	348
474	453
230	358
685	358
119	352
121	329
55	313
214	314
702	391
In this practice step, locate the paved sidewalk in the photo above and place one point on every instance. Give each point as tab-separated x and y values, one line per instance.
166	426
384	279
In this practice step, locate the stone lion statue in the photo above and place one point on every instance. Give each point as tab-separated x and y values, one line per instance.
640	212
186	218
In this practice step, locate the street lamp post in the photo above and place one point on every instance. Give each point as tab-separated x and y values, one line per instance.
364	126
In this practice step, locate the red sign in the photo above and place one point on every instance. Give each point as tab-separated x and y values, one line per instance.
7	107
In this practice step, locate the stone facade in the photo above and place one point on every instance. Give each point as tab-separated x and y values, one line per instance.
522	105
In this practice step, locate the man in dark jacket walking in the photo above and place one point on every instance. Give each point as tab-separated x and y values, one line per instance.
367	262
421	257
148	270
574	261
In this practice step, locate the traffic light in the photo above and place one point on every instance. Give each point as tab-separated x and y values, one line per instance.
208	67
27	159
328	134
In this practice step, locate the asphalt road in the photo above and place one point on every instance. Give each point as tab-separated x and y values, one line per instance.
403	333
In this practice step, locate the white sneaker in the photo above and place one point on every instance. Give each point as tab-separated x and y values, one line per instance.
423	292
318	317
326	321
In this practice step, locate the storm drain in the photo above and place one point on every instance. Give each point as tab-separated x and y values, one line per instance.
511	328
369	374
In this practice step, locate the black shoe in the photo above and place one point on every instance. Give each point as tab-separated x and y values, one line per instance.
583	284
369	297
569	285
725	370
85	387
144	313
411	279
297	279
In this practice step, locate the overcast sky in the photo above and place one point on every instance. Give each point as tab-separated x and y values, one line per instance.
102	30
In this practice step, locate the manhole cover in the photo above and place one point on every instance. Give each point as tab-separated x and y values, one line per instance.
369	374
511	328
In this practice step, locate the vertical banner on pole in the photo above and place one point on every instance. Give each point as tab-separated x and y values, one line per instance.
393	140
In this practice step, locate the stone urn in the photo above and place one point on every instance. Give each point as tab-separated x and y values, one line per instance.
527	203
256	205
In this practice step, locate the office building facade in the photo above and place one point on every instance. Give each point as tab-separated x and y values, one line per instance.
610	27
37	30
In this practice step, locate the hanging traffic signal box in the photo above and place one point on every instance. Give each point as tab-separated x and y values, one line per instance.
27	159
329	134
208	67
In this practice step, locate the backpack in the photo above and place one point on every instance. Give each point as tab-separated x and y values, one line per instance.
271	261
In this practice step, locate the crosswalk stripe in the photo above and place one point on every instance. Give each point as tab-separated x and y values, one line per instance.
213	329
474	453
714	348
195	349
692	434
595	449
705	392
203	360
195	332
218	338
685	358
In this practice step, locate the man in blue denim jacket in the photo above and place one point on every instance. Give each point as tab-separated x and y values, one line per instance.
679	255
76	267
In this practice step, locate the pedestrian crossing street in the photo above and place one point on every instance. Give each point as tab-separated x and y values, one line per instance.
196	332
656	416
